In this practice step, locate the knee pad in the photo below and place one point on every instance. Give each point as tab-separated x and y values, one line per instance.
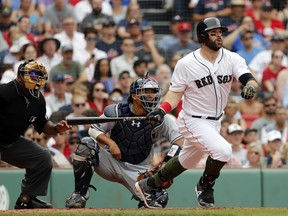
84	160
87	150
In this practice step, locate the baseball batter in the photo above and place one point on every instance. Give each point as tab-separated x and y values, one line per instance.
129	147
203	78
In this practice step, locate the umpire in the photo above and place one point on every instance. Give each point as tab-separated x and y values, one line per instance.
23	104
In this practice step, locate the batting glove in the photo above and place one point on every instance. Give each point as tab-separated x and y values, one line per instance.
248	92
156	115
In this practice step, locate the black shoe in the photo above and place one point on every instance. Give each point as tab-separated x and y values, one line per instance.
148	194
77	201
205	196
26	202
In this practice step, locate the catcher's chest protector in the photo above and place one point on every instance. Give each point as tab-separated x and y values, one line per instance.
132	137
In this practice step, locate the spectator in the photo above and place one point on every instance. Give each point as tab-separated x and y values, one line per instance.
233	40
27	10
58	97
97	98
48	48
78	105
249	51
84	8
23	25
280	11
262	59
274	157
232	114
250	111
60	151
282	88
109	43
3	48
124	82
211	8
15	54
185	45
69	67
115	96
173	37
27	52
69	36
174	59
134	30
133	12
267	26
43	4
126	60
28	134
103	74
90	55
234	137
150	52
251	136
55	14
235	92
118	10
280	124
271	72
87	113
5	19
140	67
74	140
163	77
233	20
269	108
254	156
96	18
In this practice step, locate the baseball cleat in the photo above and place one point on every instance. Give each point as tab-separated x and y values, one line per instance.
147	193
205	196
76	201
26	202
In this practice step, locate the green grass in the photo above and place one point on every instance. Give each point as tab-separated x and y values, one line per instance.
163	212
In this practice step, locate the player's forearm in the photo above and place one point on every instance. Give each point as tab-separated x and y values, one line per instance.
173	98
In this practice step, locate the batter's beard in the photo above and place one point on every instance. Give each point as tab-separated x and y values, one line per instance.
212	45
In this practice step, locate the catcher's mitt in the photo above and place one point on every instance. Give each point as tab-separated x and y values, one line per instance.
248	92
151	172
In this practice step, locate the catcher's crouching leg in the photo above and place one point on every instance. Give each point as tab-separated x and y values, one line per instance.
84	160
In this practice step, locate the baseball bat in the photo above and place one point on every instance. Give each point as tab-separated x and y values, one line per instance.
96	120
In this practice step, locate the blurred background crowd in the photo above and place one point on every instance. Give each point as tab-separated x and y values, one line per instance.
94	49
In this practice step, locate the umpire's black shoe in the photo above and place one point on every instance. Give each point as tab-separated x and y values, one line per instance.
26	202
148	194
205	196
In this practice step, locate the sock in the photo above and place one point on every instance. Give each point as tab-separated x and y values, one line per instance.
171	169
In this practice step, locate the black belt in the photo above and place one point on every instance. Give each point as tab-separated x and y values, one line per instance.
208	117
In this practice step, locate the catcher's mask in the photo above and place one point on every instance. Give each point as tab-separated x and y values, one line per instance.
148	92
34	75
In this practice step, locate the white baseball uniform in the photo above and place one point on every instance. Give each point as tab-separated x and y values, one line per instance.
206	87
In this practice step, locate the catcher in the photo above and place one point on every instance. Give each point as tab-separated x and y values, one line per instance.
129	149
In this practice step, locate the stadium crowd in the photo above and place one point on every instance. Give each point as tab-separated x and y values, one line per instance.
94	49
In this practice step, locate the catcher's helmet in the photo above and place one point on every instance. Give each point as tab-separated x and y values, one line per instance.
208	24
34	75
149	100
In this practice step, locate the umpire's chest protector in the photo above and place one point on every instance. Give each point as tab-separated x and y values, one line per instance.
134	138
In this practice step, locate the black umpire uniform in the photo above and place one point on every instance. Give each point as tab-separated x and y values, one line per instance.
22	104
17	112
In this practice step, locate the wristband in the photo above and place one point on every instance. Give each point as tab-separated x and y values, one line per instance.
166	106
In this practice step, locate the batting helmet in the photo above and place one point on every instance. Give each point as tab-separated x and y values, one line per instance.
34	75
149	100
208	24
